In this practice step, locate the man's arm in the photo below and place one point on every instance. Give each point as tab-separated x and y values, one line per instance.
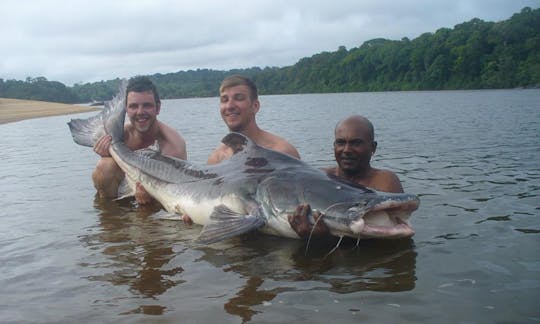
222	152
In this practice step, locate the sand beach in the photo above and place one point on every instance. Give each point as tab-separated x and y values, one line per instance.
12	110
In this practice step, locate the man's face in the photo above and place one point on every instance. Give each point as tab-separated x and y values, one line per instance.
237	108
142	110
353	147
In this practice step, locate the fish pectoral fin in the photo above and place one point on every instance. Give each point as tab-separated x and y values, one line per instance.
125	190
225	223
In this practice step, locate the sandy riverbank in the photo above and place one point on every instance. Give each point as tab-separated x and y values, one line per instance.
12	110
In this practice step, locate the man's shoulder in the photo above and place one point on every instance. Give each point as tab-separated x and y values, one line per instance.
386	180
171	142
169	134
279	143
166	129
384	173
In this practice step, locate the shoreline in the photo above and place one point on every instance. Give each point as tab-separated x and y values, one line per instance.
14	110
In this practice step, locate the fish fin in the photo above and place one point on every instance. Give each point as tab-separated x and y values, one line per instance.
236	141
225	223
125	190
165	215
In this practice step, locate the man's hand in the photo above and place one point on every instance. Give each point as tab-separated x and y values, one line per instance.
300	223
141	195
102	146
187	219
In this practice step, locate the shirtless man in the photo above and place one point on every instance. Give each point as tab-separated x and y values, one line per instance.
143	130
354	145
239	104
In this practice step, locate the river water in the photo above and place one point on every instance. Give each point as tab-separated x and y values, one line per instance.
473	157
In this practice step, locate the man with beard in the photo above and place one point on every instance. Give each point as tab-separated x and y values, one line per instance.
143	131
239	103
354	145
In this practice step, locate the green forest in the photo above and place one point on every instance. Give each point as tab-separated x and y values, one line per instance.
472	55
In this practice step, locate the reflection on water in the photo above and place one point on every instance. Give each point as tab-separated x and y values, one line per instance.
139	248
372	266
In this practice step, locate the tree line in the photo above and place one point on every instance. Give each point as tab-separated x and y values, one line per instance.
472	55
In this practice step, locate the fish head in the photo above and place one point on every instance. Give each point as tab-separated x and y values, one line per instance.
346	210
373	215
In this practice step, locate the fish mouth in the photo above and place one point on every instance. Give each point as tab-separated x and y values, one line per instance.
387	220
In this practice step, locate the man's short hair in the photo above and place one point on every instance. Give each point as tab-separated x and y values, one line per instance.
236	80
358	119
141	84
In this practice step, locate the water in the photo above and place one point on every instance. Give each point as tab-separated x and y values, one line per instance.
472	156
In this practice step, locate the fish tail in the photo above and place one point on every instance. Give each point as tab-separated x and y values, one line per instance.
116	115
110	120
86	132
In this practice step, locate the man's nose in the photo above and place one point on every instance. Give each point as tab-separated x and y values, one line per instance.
140	109
347	147
229	104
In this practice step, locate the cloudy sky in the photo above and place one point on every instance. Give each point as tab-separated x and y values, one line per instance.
84	41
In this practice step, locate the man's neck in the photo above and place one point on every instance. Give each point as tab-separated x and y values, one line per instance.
359	176
145	139
253	132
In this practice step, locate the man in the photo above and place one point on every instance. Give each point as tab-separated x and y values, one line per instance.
239	103
354	145
143	131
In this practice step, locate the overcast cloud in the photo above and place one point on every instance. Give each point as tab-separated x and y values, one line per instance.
85	41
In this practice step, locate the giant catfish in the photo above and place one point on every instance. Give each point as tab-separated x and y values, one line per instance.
256	189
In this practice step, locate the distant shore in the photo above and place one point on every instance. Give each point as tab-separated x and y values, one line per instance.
12	110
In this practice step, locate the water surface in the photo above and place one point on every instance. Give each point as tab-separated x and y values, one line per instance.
472	156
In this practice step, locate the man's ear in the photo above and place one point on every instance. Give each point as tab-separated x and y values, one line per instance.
256	106
374	146
158	108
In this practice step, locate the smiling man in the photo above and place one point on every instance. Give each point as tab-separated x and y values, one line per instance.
143	131
239	103
354	145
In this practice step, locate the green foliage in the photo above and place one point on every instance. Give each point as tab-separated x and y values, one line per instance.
97	91
473	55
37	89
